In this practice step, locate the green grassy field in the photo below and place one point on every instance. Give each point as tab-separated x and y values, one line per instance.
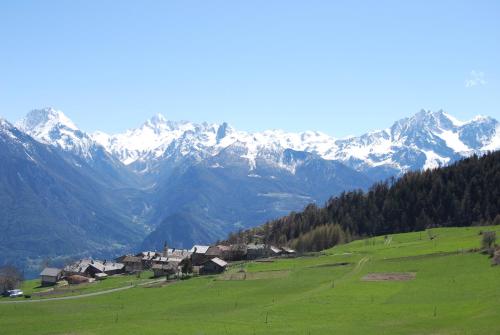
32	287
455	291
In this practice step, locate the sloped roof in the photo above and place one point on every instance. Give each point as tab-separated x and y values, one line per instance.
147	255
275	249
256	246
131	259
52	272
160	259
78	267
214	251
82	265
224	247
178	253
199	249
108	266
219	262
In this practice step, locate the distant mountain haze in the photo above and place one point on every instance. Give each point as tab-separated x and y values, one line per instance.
66	192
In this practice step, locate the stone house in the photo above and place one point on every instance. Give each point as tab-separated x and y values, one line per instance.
50	276
213	266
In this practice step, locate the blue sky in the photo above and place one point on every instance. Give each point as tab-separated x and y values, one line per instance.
342	67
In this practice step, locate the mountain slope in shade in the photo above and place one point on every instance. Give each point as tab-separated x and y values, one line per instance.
48	208
220	195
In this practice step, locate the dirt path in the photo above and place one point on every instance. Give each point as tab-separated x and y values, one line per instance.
388	240
360	264
81	295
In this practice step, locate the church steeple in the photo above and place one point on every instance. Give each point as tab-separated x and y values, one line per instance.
165	249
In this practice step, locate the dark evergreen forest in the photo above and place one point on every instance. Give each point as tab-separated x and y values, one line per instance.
463	194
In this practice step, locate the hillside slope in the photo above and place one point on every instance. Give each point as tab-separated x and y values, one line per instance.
463	194
188	183
219	196
50	208
453	291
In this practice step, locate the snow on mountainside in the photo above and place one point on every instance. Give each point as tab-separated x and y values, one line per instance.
425	140
50	126
150	139
7	129
189	182
158	138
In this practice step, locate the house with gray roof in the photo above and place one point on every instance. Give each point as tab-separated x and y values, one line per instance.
199	254
132	264
213	266
89	268
50	276
255	251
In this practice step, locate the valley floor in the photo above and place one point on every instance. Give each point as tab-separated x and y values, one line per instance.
400	284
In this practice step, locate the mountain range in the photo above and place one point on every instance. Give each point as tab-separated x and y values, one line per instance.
66	192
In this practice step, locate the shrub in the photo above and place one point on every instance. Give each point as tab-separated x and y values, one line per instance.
488	241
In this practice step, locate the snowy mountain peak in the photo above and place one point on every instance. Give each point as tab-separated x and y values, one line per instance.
5	125
424	140
3	122
481	119
427	120
8	129
158	119
42	120
53	127
151	139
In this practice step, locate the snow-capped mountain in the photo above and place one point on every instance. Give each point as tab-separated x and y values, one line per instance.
425	140
158	138
52	208
149	140
187	182
51	126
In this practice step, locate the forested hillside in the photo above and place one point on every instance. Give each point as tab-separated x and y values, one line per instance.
463	194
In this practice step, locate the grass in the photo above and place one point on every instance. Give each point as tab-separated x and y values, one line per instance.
32	287
454	292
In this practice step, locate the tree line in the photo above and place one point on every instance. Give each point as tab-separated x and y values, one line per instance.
463	194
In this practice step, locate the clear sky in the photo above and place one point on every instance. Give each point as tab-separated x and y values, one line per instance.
342	67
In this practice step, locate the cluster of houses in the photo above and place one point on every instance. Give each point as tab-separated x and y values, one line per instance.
199	260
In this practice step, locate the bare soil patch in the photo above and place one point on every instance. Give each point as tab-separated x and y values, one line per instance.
389	276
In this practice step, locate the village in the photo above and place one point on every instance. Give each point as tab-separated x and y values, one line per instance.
170	263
